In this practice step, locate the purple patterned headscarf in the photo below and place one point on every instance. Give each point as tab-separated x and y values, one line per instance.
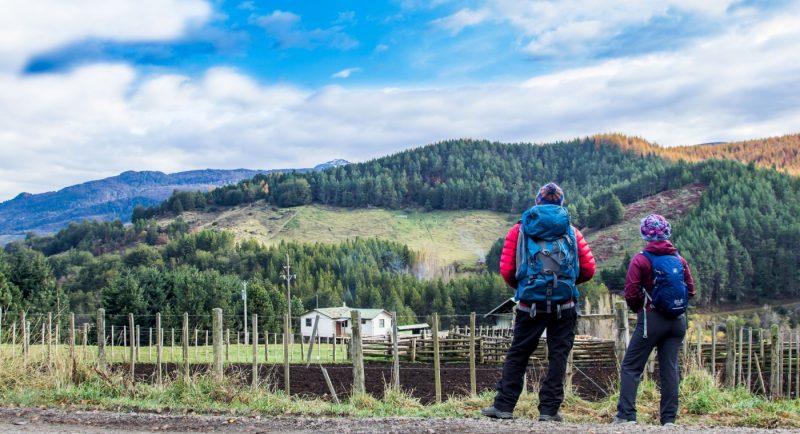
655	227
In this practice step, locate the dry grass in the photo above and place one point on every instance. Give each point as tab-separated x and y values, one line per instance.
37	383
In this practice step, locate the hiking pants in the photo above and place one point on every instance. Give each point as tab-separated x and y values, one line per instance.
527	331
665	334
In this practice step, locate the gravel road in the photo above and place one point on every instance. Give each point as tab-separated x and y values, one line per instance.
26	420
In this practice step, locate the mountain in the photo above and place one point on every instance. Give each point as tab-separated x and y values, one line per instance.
113	198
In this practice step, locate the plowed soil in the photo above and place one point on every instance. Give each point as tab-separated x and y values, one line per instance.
416	378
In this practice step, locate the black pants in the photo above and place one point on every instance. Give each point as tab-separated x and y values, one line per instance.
665	334
527	331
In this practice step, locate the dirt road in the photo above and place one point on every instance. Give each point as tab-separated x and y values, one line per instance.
22	420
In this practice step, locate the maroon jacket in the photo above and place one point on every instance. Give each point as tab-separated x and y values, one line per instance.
640	274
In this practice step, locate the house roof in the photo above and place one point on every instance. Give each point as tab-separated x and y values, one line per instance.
505	307
344	312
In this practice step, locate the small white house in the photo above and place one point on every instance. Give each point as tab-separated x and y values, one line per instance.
335	322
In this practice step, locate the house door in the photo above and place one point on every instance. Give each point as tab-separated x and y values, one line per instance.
338	329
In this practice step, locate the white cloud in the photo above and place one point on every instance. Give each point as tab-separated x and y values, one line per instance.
345	73
380	48
26	30
99	120
571	27
462	19
287	31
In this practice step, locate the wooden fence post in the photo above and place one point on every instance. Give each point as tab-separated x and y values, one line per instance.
14	338
730	354
714	351
473	384
254	333
159	348
185	345
172	345
85	340
621	321
24	330
437	374
774	379
395	354
137	342
227	345
750	359
357	352
789	368
49	339
311	341
699	349
73	366
286	336
330	385
413	350
101	338
149	344
741	355
217	340
132	329
334	344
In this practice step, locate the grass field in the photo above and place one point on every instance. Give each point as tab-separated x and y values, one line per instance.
446	236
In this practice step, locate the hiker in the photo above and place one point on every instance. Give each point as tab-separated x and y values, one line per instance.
658	287
544	257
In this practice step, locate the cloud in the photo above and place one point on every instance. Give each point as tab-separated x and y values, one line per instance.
345	73
27	30
380	48
99	120
247	5
564	28
285	28
455	23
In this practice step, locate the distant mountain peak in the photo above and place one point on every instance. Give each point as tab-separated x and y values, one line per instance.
331	164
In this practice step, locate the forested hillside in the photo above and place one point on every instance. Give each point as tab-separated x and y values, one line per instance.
462	174
740	238
780	152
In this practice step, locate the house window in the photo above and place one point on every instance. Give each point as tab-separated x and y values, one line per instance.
344	324
308	322
381	323
363	321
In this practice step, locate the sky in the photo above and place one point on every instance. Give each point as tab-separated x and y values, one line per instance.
92	88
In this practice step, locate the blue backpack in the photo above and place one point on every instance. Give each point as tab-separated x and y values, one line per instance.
670	295
547	258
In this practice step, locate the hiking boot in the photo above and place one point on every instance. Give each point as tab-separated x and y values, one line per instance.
496	414
670	424
548	418
621	421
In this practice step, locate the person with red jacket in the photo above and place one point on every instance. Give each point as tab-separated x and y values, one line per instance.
654	327
556	315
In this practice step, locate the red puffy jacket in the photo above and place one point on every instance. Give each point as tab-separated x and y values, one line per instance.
508	259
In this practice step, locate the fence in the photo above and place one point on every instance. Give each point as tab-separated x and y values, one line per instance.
764	361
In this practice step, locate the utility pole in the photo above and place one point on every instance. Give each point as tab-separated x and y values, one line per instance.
288	276
244	299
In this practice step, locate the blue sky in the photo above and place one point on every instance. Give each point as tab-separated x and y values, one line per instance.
385	43
91	88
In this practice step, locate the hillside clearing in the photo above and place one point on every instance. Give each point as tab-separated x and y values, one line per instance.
446	236
610	244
